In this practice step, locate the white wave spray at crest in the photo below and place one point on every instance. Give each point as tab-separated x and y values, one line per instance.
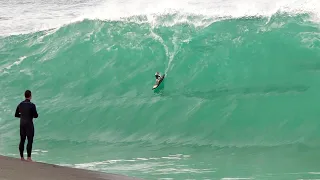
42	16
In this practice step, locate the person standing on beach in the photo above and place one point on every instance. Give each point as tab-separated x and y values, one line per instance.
26	111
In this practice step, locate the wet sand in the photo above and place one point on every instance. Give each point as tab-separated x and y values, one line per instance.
15	169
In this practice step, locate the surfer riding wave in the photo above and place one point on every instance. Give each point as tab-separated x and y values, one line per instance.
158	77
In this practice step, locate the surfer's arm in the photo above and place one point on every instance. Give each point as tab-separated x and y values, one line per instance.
17	114
35	113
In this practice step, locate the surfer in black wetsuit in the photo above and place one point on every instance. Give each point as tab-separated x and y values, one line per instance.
26	111
158	77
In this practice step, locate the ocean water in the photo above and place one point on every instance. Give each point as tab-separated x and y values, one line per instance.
240	99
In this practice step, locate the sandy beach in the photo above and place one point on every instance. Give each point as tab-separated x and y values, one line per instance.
15	169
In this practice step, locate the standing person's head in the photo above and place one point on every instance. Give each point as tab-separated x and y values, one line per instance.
27	94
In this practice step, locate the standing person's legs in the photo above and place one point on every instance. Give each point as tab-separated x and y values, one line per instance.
23	135
30	135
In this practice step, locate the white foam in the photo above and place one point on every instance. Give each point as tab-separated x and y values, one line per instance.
8	66
115	10
121	161
41	151
36	16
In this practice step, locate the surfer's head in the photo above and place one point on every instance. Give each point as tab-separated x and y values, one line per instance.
157	75
27	94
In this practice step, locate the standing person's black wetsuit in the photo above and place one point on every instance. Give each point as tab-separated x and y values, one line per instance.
26	111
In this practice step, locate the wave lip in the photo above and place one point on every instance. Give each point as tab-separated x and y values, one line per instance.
57	15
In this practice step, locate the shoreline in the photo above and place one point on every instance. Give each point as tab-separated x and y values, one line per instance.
15	169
